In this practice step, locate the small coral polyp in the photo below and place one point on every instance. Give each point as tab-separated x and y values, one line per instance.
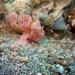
30	29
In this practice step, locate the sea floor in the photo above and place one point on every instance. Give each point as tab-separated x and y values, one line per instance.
33	58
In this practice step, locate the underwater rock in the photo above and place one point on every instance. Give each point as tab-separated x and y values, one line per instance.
9	7
62	62
12	55
73	51
39	73
43	11
59	24
56	35
22	59
58	69
2	41
36	2
1	50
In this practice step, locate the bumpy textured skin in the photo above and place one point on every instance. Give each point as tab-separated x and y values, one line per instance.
30	29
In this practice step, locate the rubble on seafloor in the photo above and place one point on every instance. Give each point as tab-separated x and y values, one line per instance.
38	58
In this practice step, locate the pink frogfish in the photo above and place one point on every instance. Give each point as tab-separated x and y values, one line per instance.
31	29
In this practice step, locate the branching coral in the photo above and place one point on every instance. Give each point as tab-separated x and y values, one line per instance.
31	29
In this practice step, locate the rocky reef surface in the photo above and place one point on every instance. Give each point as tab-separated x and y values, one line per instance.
47	9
